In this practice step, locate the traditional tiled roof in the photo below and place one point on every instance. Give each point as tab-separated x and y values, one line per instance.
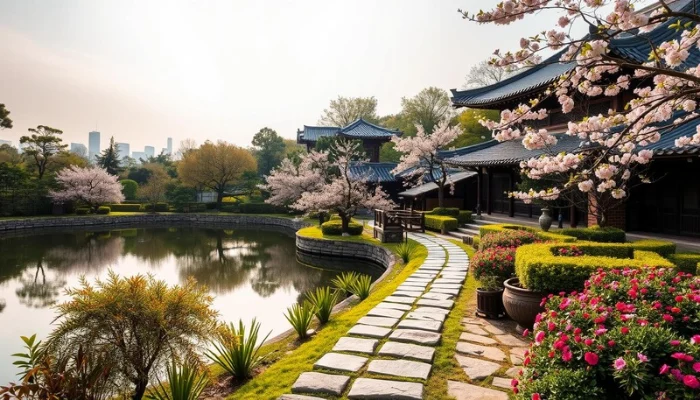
430	186
358	129
510	152
373	172
666	146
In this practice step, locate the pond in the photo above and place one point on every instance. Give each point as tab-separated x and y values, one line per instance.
251	273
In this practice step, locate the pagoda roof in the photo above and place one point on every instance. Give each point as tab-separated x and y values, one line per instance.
430	186
358	129
373	172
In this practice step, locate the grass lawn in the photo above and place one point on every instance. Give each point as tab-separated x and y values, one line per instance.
287	361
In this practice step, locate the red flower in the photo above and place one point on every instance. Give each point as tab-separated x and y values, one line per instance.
535	396
691	381
591	358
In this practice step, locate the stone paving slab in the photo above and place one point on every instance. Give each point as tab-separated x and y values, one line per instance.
407	350
431	310
454	292
475	368
416	336
494	329
446	286
399	299
381	389
406	293
378	321
465	391
316	382
424	325
401	368
369	331
426	316
503	383
436	303
438	296
340	362
385	312
356	345
510	340
394	306
492	353
517	355
412	286
298	397
471	337
477	330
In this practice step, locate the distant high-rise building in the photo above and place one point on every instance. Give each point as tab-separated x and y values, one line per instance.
93	145
124	150
150	151
138	155
7	142
170	146
79	149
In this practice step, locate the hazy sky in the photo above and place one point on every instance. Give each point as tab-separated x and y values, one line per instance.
145	70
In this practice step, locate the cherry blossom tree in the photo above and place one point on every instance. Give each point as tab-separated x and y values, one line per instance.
91	186
612	152
322	181
421	161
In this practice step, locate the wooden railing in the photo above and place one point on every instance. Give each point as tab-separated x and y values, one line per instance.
396	222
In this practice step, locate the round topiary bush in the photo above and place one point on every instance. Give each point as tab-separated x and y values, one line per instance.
494	261
82	211
129	188
508	238
104	210
335	227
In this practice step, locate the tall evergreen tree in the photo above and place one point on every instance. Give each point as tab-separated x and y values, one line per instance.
109	159
269	150
44	142
5	121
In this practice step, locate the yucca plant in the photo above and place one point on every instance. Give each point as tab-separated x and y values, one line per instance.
300	316
184	383
237	352
345	281
405	251
362	286
323	300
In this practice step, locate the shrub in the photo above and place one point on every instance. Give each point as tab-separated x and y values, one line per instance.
445	211
262	208
211	205
345	281
661	247
323	300
476	241
540	269
129	188
82	211
630	334
104	210
405	251
494	261
335	227
235	351
126	207
300	316
486	229
183	383
686	262
465	217
595	233
441	223
160	207
231	208
230	200
508	238
362	286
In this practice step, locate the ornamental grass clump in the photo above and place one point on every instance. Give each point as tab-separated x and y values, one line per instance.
632	333
496	262
406	251
362	286
508	238
184	383
236	349
300	317
345	281
323	299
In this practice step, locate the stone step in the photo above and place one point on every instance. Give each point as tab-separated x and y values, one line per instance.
407	350
400	368
381	389
416	336
475	368
369	331
424	325
316	382
356	345
465	391
340	362
298	397
378	321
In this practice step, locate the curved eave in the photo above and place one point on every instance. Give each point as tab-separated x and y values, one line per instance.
367	137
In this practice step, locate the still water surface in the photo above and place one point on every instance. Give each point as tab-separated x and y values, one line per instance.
251	273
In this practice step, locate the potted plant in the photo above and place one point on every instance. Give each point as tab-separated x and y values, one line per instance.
521	304
489	298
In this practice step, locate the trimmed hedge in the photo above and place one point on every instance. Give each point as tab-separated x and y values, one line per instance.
595	233
661	247
476	241
441	223
541	234
104	210
129	188
465	217
686	262
82	211
335	227
262	208
445	211
125	207
540	270
160	207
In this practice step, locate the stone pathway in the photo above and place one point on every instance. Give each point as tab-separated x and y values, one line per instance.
396	339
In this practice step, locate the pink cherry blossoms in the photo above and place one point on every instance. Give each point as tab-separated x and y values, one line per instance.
91	186
322	181
612	143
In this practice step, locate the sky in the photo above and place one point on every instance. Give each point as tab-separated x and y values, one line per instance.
142	71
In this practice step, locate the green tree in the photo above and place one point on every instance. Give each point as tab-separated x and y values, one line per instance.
427	108
140	321
472	131
269	150
166	160
129	188
10	155
155	188
42	145
345	110
109	159
5	121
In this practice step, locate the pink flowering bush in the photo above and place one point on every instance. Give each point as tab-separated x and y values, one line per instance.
571	251
629	334
508	238
494	261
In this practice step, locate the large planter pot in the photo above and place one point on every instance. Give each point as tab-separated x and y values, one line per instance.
489	303
546	219
521	304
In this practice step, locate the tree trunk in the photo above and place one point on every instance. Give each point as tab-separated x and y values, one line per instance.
219	199
441	196
346	224
140	389
601	219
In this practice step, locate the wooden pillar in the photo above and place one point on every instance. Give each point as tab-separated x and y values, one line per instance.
511	199
572	216
488	191
478	191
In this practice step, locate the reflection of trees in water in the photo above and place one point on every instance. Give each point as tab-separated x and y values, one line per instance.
90	254
36	290
2	304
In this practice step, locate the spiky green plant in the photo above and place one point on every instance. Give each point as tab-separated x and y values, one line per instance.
237	352
184	383
300	316
345	281
405	251
362	286
323	300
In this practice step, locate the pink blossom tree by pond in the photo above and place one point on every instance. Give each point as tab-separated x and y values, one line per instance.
91	186
421	160
663	93
323	181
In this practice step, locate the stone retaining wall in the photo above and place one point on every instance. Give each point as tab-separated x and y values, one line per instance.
110	222
342	248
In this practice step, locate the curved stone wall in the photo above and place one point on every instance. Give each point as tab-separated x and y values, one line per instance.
342	248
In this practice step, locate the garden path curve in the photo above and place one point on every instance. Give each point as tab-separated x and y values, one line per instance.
388	354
